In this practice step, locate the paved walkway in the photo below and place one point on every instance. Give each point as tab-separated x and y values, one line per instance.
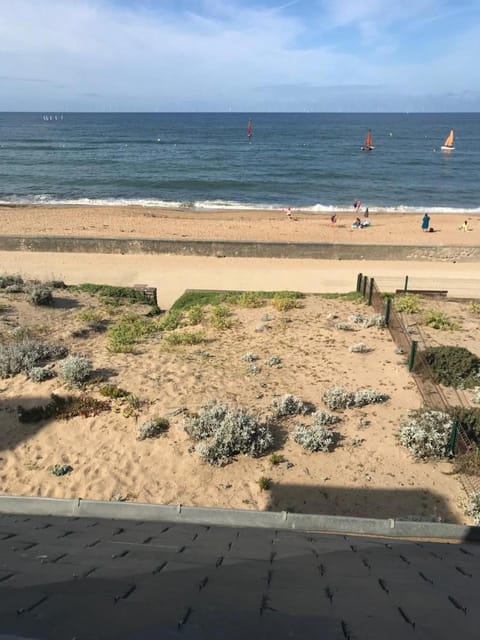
173	274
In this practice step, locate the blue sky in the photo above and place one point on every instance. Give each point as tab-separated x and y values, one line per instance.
240	55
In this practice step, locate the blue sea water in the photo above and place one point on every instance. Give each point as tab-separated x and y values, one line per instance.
204	160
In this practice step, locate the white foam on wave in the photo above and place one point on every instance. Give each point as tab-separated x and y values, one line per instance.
48	199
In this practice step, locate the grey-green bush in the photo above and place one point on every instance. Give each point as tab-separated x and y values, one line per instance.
225	432
152	428
20	357
39	294
426	433
75	370
40	374
314	438
290	405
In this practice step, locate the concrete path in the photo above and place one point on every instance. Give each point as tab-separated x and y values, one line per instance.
173	274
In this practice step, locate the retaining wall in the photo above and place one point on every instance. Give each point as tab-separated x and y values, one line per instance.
325	251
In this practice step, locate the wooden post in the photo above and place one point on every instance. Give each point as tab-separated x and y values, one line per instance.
405	287
359	282
411	357
387	311
370	292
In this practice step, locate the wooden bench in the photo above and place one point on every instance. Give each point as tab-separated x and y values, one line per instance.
425	292
150	293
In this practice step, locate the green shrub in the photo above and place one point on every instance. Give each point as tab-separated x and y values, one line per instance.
453	366
8	280
469	419
184	338
22	357
63	408
474	307
313	438
128	331
426	433
408	303
39	294
113	392
225	432
220	317
75	370
90	315
438	320
152	428
61	469
276	459
112	293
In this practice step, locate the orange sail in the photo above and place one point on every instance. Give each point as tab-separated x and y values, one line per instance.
449	141
368	139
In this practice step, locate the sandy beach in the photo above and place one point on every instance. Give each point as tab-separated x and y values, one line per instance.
155	222
374	478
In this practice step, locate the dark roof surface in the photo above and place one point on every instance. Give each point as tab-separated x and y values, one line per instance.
65	578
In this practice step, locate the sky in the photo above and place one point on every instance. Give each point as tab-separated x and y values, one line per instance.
240	55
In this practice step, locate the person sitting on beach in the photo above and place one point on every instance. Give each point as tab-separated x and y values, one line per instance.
357	224
365	222
333	219
425	222
464	226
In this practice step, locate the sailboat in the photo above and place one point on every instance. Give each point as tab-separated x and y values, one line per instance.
448	144
368	146
249	130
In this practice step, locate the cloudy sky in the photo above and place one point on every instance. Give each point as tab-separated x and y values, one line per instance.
239	55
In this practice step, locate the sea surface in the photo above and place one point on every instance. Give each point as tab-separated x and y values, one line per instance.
307	161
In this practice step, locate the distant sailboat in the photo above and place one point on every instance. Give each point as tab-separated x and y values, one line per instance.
368	146
448	144
249	130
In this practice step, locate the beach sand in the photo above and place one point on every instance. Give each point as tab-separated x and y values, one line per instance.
183	224
368	474
374	478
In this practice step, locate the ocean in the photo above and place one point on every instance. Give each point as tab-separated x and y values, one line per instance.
307	161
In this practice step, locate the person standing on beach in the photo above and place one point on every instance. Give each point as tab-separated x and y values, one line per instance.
425	222
356	205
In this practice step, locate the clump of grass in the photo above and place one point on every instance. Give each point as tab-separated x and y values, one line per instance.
474	307
453	366
376	320
112	391
253	369
273	361
90	316
75	370
184	338
61	469
40	295
408	303
220	317
353	296
313	438
171	320
225	432
264	483
426	433
291	405
286	300
63	408
195	315
439	320
152	428
323	419
276	459
129	330
22	357
250	299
